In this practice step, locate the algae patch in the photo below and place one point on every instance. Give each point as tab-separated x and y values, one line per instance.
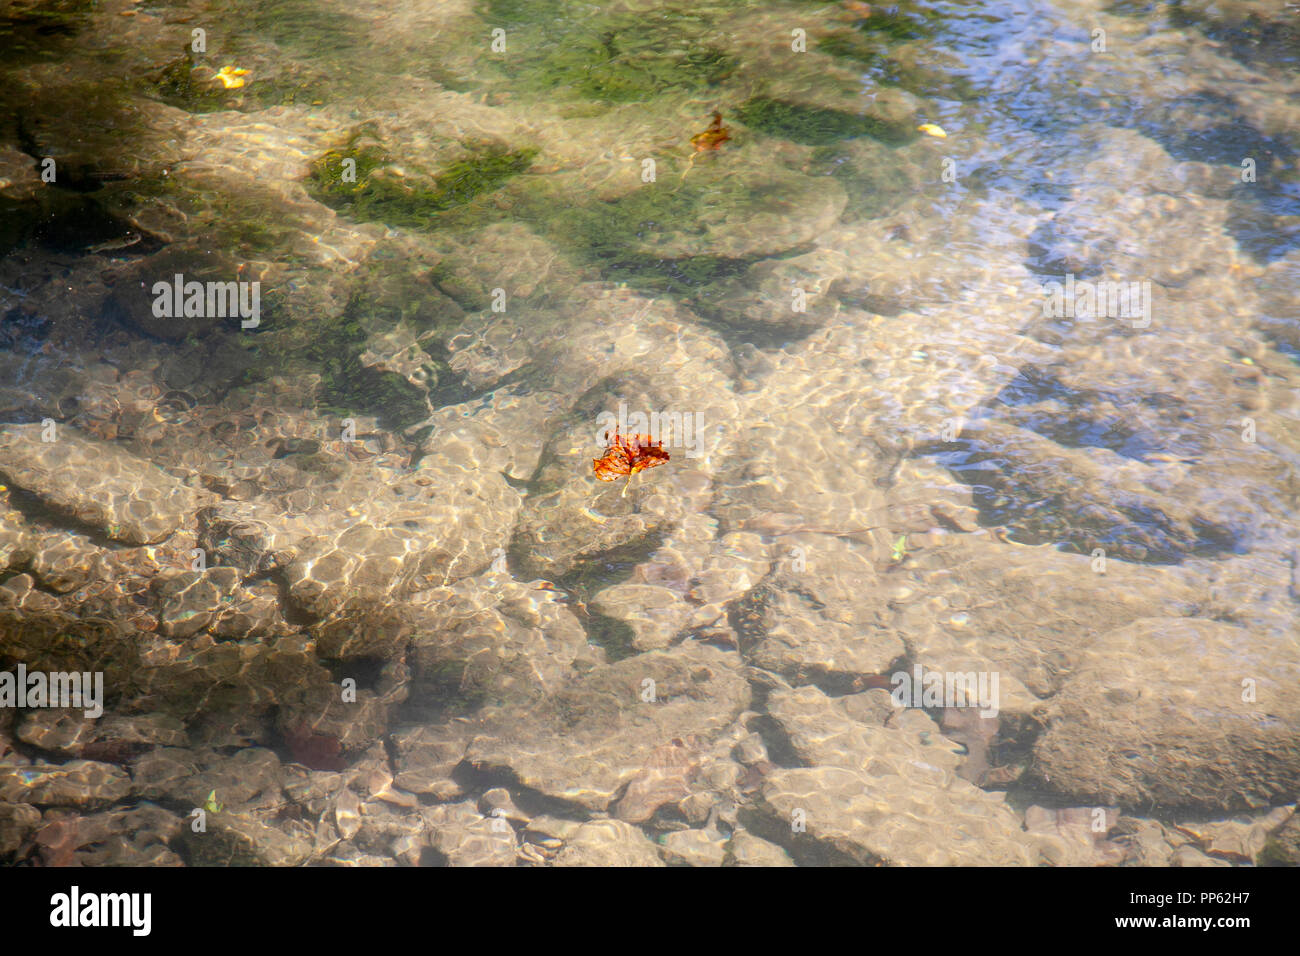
816	126
613	58
364	182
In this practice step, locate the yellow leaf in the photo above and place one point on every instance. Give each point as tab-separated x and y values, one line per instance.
231	77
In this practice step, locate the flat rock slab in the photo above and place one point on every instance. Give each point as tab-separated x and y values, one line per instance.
69	731
884	793
77	783
889	819
593	737
433	528
425	757
827	619
138	836
1157	712
491	635
746	849
97	483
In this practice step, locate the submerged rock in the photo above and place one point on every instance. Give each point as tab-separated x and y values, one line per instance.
232	840
17	822
467	838
70	732
882	793
745	849
96	483
139	836
425	757
246	780
77	783
601	730
608	843
1179	713
193	599
693	848
493	639
824	613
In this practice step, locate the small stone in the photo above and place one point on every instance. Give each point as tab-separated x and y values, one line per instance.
17	821
751	750
498	803
347	814
746	849
692	848
608	843
1190	856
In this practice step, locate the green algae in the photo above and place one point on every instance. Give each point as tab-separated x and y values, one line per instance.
332	348
600	68
900	23
524	12
614	236
176	85
850	47
816	126
462	181
348	387
320	34
376	190
609	58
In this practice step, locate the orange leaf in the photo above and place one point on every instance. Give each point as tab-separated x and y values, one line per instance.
628	455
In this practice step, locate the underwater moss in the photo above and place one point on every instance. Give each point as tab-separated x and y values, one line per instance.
332	347
601	69
850	47
464	180
900	23
816	126
176	85
523	12
382	193
611	58
306	26
349	387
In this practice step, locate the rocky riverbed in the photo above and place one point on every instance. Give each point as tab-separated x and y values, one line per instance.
353	588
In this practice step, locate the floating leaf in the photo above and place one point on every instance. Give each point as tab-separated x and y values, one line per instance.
628	455
231	77
713	137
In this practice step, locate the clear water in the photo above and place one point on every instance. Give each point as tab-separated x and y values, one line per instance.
342	558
